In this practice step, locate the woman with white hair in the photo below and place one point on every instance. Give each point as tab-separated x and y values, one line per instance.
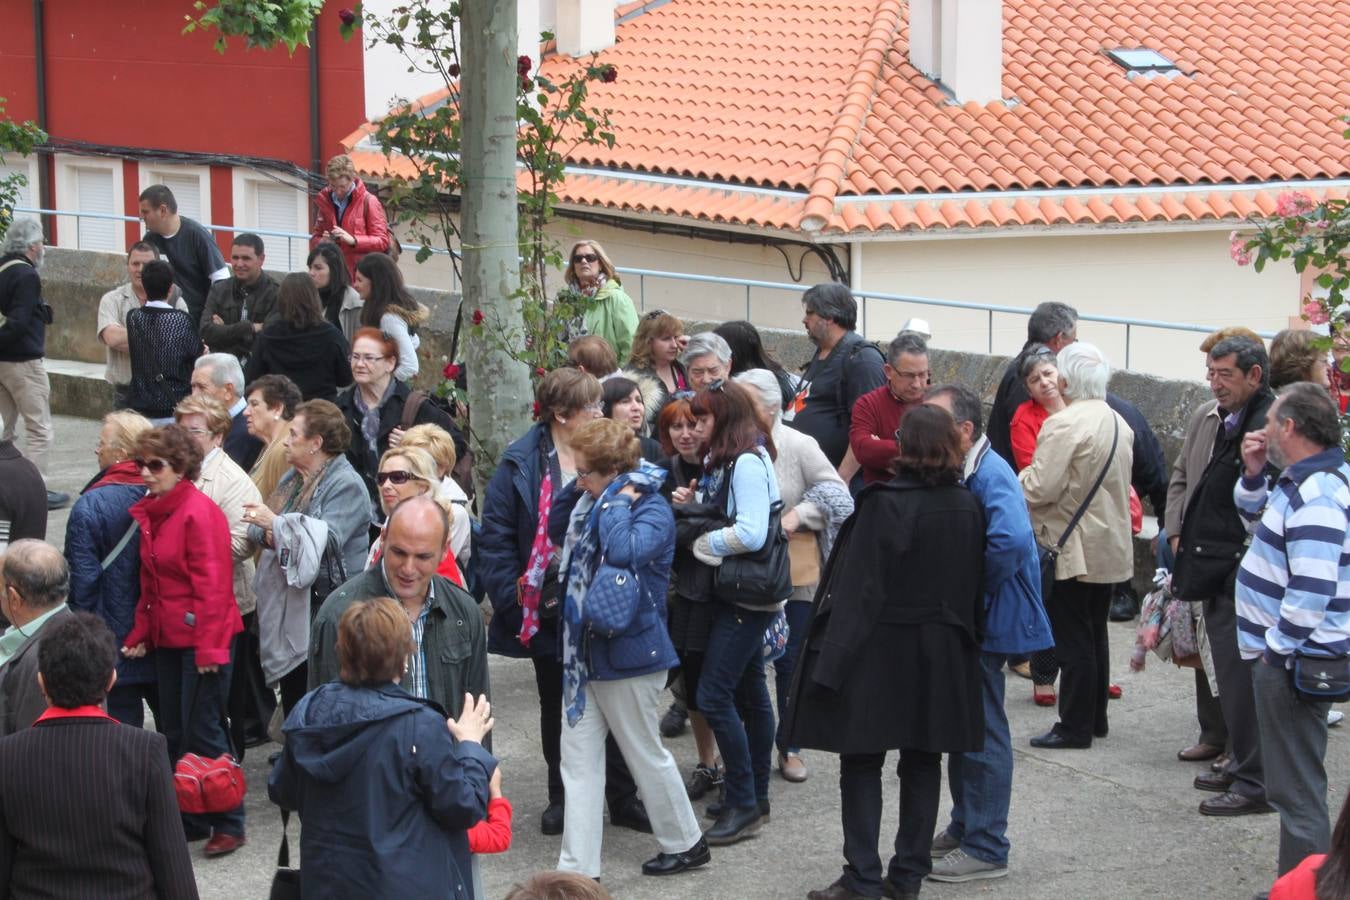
706	358
815	502
1082	462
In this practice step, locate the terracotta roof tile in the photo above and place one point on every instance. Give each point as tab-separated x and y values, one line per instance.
817	98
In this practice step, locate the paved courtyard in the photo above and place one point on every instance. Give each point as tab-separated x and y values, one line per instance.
1116	821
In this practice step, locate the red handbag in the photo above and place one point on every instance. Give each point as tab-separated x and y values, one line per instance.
208	785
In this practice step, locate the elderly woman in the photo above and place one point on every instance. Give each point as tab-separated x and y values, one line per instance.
655	362
619	527
382	820
317	520
707	358
1296	355
270	406
817	502
621	400
613	315
300	344
1083	459
103	549
738	481
340	301
1040	373
374	406
441	445
518	565
389	308
901	602
410	472
187	613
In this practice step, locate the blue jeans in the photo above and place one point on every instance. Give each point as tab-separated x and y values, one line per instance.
733	675
798	614
196	727
981	783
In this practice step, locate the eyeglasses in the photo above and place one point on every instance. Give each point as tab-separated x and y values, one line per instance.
585	257
398	476
598	408
584	473
366	358
197	431
154	465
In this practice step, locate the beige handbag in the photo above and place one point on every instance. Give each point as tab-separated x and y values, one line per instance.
804	557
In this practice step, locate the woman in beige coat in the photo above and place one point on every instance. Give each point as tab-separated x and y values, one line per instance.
1074	447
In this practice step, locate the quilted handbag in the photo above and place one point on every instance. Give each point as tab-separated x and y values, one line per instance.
611	601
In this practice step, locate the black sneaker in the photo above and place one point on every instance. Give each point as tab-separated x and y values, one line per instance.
675	720
57	500
702	780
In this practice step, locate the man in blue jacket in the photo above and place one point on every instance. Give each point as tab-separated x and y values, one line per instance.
974	845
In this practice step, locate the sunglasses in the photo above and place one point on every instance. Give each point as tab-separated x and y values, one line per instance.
398	476
585	257
154	465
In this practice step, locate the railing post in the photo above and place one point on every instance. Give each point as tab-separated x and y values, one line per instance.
642	293
991	333
1127	345
747	303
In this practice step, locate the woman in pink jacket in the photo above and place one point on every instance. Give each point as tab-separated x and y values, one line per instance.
187	612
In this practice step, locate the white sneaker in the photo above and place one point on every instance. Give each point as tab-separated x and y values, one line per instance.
1334	718
959	866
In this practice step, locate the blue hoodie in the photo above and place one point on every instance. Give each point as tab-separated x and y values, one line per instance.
386	794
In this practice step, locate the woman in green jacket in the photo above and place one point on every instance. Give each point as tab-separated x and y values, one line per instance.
613	317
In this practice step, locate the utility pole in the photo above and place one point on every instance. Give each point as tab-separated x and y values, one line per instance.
500	396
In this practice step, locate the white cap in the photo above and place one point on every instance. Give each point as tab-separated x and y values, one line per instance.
919	327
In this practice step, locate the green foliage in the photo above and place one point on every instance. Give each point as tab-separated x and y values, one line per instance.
21	138
261	23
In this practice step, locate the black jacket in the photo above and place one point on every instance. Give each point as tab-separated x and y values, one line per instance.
891	659
23	496
241	446
23	336
315	358
366	463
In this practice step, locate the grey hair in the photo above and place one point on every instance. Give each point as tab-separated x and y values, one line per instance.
1085	371
705	343
1314	414
22	234
966	406
1249	353
910	342
770	393
1050	320
38	572
832	301
225	369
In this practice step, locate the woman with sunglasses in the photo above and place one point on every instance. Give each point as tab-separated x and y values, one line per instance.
739	480
655	363
410	472
187	612
518	566
374	407
613	315
388	307
317	523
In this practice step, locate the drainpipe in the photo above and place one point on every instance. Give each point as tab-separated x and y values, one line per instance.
40	77
315	149
855	281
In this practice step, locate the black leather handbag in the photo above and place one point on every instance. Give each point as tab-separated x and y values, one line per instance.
762	578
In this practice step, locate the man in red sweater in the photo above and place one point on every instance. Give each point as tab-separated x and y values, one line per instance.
877	414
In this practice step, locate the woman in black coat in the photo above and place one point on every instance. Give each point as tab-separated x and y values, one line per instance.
900	604
300	344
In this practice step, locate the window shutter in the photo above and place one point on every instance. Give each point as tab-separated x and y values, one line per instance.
25	190
94	192
275	209
187	190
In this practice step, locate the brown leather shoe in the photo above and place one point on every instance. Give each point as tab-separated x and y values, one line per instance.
222	844
1218	782
1220	763
1199	753
1231	804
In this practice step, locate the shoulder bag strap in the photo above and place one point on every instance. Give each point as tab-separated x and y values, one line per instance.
411	407
284	851
121	545
1101	476
11	264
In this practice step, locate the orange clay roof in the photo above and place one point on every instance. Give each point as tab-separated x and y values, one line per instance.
806	116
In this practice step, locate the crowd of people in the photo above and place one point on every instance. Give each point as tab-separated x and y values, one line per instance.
279	544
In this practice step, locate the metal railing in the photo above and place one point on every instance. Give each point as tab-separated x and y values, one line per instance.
749	285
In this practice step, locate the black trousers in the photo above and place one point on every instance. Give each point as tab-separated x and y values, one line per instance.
1078	615
620	789
252	702
294	685
860	809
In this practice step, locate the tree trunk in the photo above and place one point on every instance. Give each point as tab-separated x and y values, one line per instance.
500	396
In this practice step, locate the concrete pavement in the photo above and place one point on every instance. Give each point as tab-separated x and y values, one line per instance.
1116	821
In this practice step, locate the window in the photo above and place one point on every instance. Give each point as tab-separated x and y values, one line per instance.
191	186
279	211
16	165
91	190
1142	61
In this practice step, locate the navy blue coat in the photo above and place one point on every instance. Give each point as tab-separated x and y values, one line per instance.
510	517
387	795
98	520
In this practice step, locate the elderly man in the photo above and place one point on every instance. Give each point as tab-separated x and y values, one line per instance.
877	414
36	582
706	358
24	317
112	320
845	367
451	655
1290	600
219	376
239	306
975	844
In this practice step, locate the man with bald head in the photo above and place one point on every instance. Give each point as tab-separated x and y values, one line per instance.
450	658
35	581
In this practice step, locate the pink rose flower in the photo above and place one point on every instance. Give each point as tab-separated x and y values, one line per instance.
1315	314
1237	249
1293	203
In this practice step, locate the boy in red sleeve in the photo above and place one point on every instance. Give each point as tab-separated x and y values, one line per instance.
493	834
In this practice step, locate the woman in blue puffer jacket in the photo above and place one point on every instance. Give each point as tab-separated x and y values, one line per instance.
103	551
621	527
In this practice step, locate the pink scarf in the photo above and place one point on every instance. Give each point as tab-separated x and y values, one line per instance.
541	551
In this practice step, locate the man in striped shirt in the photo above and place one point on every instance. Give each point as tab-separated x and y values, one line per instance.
1293	596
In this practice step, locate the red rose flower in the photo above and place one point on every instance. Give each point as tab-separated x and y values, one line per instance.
609	75
347	16
451	371
540	371
535	409
453	69
478	317
523	65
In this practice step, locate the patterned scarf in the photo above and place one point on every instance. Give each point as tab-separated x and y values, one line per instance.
541	551
582	554
370	422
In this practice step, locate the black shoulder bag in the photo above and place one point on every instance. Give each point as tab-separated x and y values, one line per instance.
762	578
1050	555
